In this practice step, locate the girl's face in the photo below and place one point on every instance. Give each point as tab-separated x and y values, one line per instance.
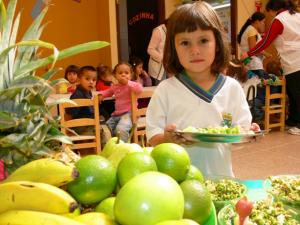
123	73
107	77
196	51
139	69
88	80
260	25
72	77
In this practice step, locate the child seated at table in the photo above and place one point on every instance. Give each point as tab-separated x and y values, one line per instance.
105	80
71	75
87	80
139	74
104	77
120	121
270	77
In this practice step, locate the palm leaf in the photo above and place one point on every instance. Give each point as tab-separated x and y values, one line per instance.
74	50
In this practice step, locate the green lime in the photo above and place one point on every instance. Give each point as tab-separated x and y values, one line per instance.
107	207
195	174
197	201
172	159
149	198
97	180
134	164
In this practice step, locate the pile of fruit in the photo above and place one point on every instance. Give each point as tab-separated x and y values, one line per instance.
125	185
266	212
225	191
215	130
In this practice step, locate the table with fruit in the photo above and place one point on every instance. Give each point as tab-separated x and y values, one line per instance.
132	185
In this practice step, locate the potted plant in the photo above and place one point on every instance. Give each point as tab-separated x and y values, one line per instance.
28	131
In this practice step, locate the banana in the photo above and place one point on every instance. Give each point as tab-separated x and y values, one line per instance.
28	195
45	170
26	217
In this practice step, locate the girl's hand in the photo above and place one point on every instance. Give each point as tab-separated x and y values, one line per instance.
255	127
170	136
100	97
244	55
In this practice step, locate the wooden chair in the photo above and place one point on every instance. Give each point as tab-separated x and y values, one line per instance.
67	123
275	109
138	116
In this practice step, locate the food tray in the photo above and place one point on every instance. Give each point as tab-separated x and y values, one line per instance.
219	138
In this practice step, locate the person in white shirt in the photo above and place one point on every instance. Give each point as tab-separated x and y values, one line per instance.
155	50
284	32
198	95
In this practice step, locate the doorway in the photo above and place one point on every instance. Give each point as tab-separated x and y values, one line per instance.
136	20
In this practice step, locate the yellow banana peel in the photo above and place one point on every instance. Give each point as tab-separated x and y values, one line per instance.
45	170
26	195
26	217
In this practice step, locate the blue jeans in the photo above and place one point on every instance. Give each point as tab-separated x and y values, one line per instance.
122	124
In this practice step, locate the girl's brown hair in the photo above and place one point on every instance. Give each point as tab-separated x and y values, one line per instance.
122	63
189	18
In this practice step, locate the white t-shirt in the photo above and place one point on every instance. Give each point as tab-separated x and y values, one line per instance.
288	43
173	102
257	61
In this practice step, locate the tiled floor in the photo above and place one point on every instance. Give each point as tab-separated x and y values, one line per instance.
276	153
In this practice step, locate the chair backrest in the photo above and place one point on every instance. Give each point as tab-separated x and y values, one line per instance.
138	115
67	124
277	107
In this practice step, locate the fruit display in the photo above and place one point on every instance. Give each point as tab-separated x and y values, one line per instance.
45	170
197	201
126	185
285	188
215	130
224	190
266	212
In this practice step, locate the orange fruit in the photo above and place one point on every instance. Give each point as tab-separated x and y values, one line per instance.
195	174
94	218
97	180
197	201
172	159
149	198
134	164
107	206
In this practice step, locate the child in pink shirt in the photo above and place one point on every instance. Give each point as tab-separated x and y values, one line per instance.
120	120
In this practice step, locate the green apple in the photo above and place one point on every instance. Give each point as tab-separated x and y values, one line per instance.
110	145
148	150
121	150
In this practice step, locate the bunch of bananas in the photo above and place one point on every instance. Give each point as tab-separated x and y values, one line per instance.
31	195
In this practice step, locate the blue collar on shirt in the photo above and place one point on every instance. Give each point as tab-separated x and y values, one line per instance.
197	90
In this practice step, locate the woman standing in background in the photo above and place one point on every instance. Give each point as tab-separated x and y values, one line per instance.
156	50
248	37
284	31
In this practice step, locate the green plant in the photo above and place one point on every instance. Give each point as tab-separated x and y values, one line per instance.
27	129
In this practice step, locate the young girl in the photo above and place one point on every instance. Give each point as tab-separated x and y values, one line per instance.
71	75
198	94
104	82
120	120
248	37
139	74
104	79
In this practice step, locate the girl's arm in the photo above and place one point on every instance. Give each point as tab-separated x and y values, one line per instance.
275	29
107	93
135	87
146	78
